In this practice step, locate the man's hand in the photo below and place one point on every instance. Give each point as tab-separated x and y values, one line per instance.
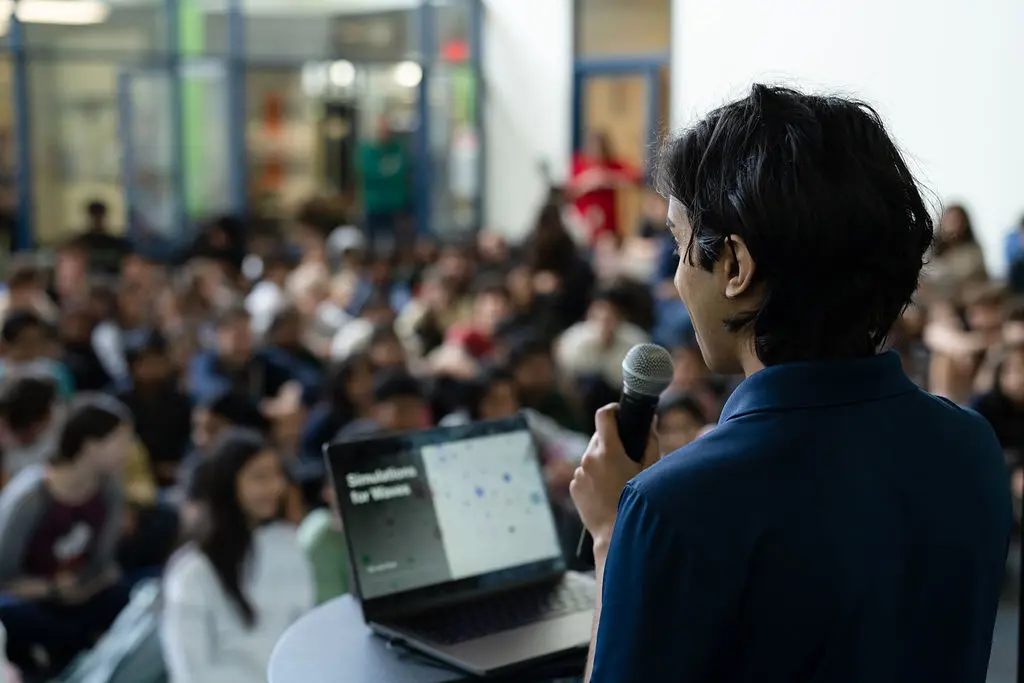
603	473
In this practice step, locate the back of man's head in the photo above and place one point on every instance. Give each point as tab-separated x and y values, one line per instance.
26	402
826	206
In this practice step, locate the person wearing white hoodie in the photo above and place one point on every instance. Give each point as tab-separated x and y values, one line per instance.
230	596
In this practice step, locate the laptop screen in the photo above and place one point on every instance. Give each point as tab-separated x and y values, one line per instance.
436	507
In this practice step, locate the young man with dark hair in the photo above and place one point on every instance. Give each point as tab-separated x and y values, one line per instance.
28	421
60	524
26	339
839	524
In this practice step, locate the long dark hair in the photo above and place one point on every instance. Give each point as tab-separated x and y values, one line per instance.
228	537
966	237
549	246
92	417
336	390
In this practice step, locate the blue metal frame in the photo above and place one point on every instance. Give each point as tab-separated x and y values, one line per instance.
23	234
237	166
125	119
422	189
648	66
173	66
476	55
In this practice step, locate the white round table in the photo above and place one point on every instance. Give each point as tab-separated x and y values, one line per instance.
332	644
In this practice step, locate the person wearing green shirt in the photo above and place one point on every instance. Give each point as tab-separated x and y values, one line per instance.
321	538
383	164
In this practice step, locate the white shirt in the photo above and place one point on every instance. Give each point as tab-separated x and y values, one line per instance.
264	302
204	637
579	351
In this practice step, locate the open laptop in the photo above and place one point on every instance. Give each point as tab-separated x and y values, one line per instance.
454	546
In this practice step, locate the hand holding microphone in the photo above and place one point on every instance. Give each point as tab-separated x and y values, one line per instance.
624	443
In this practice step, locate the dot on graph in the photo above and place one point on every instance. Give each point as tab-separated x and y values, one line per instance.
507	477
479	492
511	529
535	498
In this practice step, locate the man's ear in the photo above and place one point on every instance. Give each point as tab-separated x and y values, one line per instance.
738	267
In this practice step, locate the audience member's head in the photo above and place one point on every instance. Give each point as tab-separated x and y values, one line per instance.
96	434
148	357
349	386
690	372
399	402
234	336
286	329
96	213
955	227
1013	326
385	349
25	282
27	407
985	307
680	421
222	411
491	304
802	251
493	395
533	368
607	312
25	336
1010	377
242	486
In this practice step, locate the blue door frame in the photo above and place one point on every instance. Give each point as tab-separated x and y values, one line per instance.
649	67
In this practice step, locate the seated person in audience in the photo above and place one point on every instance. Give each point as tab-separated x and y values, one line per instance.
680	421
230	595
533	368
1015	258
1003	407
161	411
399	405
285	337
323	540
491	305
26	343
59	528
348	396
75	329
29	423
211	418
267	297
236	365
963	341
26	291
385	349
596	346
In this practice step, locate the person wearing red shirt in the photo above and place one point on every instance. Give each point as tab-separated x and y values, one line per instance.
596	177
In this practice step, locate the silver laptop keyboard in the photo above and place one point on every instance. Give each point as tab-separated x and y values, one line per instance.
504	612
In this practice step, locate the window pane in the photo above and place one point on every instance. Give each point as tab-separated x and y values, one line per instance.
452	19
137	29
612	27
454	150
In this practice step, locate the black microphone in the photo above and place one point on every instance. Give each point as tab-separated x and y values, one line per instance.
646	372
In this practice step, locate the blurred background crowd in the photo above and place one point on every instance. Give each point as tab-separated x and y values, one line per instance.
240	231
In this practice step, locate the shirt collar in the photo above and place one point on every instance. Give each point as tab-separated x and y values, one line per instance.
815	384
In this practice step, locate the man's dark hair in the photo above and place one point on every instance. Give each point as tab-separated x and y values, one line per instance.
825	203
392	384
26	401
17	323
96	208
232	314
92	417
143	343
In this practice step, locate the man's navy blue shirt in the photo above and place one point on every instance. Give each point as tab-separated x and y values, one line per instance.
839	525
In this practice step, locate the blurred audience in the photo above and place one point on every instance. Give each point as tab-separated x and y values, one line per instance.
226	367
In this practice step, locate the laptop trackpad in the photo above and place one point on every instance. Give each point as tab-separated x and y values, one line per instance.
526	643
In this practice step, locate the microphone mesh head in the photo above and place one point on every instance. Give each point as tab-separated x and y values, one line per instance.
647	370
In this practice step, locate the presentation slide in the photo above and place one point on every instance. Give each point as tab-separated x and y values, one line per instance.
489	498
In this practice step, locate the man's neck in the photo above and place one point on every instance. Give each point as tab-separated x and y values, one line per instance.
72	483
749	361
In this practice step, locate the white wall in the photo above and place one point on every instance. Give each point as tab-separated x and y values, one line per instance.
528	106
945	76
